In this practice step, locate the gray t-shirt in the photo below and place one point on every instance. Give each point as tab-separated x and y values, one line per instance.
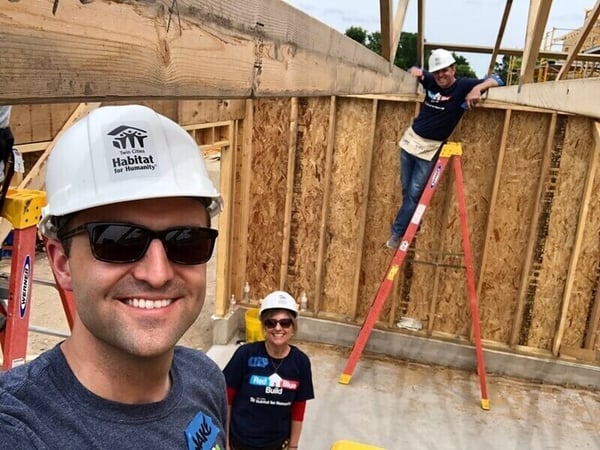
43	406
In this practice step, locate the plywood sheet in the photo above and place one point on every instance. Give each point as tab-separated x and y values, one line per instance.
309	191
562	225
267	194
353	125
519	179
580	135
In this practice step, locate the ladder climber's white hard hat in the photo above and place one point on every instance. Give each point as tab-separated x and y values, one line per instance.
122	153
279	300
440	59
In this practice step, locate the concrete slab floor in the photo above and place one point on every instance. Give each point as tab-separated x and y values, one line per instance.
395	405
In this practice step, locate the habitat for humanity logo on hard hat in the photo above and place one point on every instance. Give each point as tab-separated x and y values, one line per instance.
133	152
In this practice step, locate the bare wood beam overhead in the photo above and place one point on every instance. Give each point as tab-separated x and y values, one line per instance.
571	96
214	49
495	52
510	51
590	22
536	25
385	14
398	27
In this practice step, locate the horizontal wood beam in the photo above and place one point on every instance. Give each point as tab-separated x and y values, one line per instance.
511	51
107	50
570	96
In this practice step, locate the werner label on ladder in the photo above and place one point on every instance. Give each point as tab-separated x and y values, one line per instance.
449	150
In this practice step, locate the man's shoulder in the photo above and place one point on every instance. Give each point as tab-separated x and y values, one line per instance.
189	359
24	392
18	378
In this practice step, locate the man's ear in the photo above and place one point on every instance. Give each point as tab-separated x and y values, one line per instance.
59	262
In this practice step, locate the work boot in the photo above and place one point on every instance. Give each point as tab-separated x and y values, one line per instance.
393	242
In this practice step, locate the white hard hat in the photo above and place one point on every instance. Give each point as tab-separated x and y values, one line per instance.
122	153
440	59
279	300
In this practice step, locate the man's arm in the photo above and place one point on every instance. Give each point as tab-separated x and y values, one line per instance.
474	95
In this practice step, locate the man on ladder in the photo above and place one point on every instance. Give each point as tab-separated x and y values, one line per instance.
446	99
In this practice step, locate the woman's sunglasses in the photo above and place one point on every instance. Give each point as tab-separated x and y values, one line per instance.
121	242
272	323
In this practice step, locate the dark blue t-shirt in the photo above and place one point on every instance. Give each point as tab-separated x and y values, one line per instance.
266	388
43	406
442	108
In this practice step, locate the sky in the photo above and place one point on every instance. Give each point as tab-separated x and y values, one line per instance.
470	22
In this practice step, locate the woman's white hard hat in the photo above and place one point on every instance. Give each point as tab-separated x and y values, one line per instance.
440	59
122	153
279	300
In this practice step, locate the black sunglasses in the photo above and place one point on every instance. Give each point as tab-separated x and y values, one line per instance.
272	323
121	242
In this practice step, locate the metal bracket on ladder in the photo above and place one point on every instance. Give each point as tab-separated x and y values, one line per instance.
449	150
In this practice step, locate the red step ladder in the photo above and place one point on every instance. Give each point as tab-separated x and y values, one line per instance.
22	208
450	150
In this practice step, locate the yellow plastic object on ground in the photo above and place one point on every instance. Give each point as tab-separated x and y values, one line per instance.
349	445
254	331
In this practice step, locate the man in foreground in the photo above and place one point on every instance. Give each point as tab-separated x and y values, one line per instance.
128	228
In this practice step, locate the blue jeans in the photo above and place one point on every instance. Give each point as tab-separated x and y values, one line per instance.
414	173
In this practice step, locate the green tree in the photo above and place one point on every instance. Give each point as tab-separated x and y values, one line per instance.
406	54
374	42
463	68
358	34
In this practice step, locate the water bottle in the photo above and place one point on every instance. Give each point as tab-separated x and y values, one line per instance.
303	302
246	296
232	304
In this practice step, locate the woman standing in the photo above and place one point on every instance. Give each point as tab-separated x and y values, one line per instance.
268	382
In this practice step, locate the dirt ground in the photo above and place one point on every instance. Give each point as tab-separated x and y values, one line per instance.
47	311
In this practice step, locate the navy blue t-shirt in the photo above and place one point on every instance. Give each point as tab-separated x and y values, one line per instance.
442	108
266	388
43	406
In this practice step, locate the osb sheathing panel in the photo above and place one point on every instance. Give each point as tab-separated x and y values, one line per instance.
580	135
384	199
352	137
519	180
267	194
309	192
566	203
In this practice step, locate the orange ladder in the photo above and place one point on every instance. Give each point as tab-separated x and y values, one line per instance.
23	209
449	150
